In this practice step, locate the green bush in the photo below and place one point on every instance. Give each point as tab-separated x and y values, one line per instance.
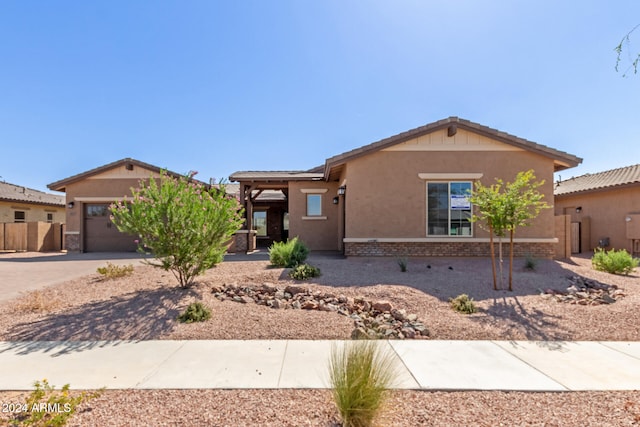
288	254
305	271
196	312
360	376
615	262
47	407
186	225
463	304
112	271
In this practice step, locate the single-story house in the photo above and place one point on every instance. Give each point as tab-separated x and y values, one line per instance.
22	204
404	195
88	196
604	208
30	220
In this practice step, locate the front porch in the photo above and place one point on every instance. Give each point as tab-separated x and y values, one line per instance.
267	204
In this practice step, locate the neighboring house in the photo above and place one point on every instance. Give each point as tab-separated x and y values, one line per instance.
404	195
604	209
21	204
88	196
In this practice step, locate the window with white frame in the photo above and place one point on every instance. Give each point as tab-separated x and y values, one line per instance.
448	208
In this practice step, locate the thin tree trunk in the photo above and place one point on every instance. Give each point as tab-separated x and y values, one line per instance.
501	262
493	259
511	260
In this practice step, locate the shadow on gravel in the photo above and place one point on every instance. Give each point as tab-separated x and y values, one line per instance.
141	315
534	324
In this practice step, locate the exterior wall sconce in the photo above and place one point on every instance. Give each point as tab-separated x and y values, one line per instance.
336	200
628	219
70	205
342	190
579	209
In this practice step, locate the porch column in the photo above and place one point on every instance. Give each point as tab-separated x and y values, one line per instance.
251	245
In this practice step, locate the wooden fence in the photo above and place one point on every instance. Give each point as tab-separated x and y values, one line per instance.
31	236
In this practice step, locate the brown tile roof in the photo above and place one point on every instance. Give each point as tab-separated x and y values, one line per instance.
598	181
62	184
332	165
561	159
276	176
18	193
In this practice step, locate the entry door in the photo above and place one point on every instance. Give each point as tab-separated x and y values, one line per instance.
101	235
575	238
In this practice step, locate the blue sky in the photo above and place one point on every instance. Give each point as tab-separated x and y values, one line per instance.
279	85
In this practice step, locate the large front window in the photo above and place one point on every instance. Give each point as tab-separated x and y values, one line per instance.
448	209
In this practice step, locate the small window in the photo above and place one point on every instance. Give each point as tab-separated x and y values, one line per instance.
260	223
49	217
97	210
19	216
314	204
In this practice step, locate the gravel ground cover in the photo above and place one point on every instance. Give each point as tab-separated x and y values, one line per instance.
146	304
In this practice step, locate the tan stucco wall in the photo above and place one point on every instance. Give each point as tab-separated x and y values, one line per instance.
32	212
607	210
387	199
318	234
103	188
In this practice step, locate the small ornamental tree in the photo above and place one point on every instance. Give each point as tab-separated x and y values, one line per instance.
505	207
523	203
185	225
489	204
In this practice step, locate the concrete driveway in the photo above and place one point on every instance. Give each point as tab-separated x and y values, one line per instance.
25	271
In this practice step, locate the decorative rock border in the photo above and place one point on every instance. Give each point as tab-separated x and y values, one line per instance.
372	319
583	291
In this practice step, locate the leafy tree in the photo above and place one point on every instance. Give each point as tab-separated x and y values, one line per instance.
625	42
489	205
185	225
523	203
505	207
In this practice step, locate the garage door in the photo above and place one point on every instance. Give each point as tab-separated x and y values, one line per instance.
101	235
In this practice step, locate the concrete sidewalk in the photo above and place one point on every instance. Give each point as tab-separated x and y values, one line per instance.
429	365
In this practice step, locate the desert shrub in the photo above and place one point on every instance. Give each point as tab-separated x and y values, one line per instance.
360	375
305	271
288	254
186	225
112	271
38	301
615	262
530	263
402	263
195	312
463	304
47	407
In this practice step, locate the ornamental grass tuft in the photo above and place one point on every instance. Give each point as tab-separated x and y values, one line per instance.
361	375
